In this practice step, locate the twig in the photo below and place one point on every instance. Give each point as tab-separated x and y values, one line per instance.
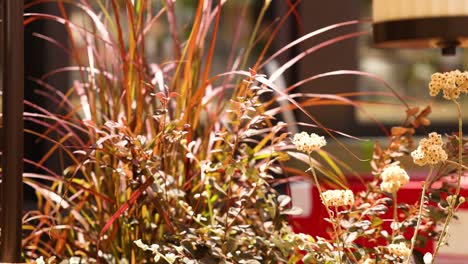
326	206
451	210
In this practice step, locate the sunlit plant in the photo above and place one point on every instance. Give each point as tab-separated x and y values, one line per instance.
177	155
177	161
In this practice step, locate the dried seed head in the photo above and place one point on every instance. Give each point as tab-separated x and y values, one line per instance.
430	151
451	83
338	198
393	178
308	143
399	250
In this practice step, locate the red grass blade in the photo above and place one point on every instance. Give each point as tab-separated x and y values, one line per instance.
134	196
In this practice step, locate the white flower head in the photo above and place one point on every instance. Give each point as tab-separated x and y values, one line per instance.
40	260
308	143
427	258
393	178
338	198
399	250
389	187
430	150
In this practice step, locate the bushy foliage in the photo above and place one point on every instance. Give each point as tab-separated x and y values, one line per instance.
171	163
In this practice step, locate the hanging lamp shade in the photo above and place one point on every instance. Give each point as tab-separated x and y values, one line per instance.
421	24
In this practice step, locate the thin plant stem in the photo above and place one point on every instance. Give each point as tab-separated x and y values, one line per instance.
254	33
451	209
460	148
332	219
443	233
421	206
340	231
455	163
395	215
342	242
210	204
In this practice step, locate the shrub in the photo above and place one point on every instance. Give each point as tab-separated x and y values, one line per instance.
172	163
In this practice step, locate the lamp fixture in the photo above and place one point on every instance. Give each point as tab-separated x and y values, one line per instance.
421	24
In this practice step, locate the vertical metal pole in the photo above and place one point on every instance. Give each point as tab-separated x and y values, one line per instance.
12	160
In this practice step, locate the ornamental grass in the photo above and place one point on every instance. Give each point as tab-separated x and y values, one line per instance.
176	160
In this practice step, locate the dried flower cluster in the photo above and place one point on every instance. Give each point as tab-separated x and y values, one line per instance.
308	143
430	150
393	178
338	198
451	83
399	250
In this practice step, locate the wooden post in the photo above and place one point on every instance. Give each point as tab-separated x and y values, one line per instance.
12	138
